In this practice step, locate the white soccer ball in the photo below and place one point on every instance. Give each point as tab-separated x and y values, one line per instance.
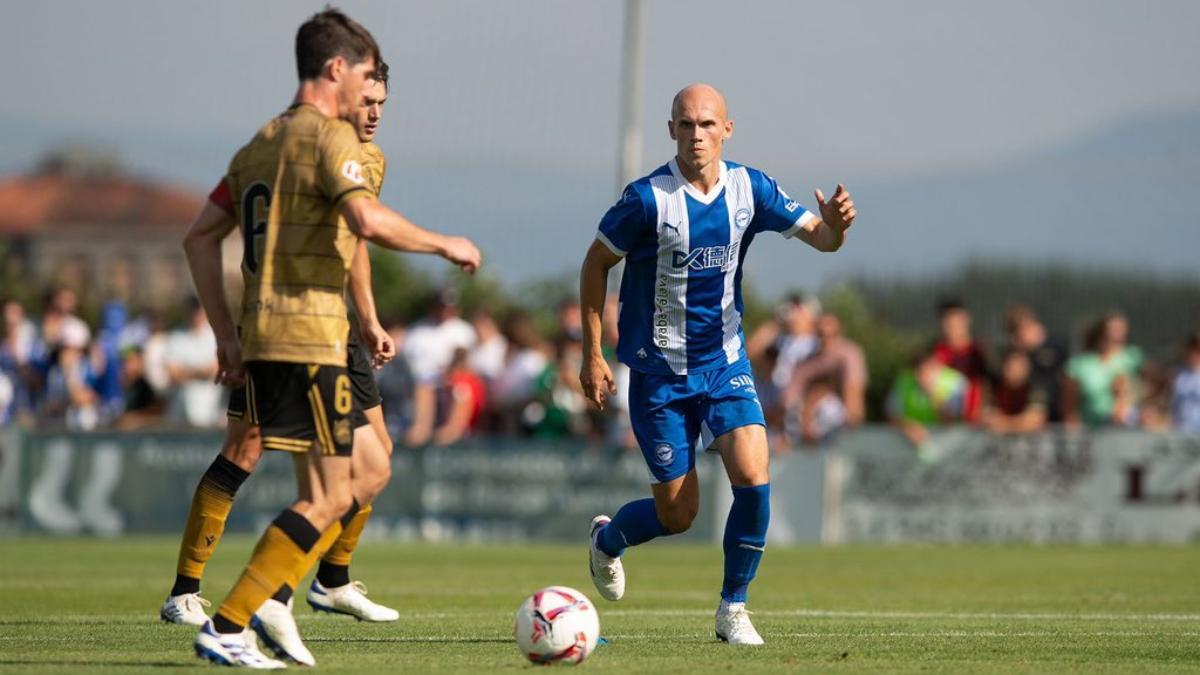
557	625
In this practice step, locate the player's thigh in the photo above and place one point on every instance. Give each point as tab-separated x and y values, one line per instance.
734	417
372	465
374	417
665	422
366	392
746	455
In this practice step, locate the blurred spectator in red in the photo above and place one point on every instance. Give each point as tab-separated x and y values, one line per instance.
1185	390
828	390
429	347
1103	380
462	399
929	394
1018	403
1046	356
191	358
956	348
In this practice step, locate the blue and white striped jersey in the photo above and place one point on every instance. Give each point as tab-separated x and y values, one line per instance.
681	296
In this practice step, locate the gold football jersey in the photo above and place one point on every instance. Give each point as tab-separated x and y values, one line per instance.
374	166
287	187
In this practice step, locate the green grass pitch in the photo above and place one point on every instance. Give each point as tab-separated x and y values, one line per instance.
85	605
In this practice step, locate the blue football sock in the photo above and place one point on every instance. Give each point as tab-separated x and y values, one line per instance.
745	539
636	523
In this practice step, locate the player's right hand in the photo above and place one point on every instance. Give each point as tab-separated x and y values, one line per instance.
231	372
597	380
462	252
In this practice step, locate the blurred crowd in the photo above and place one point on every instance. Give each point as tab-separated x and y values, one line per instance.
458	377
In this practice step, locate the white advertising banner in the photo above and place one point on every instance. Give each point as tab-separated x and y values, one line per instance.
1110	486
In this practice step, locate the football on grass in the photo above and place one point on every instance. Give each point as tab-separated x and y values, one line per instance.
557	625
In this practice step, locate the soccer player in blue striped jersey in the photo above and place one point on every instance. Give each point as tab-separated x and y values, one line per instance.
683	232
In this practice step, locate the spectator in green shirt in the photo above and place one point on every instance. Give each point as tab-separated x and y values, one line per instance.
1104	379
929	394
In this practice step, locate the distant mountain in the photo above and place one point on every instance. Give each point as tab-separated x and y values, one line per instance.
1124	196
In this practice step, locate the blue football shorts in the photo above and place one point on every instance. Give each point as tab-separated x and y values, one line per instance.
670	412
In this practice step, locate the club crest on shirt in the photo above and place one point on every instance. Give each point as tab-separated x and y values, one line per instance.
353	171
741	218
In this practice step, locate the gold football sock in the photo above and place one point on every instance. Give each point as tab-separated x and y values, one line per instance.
343	548
279	557
206	522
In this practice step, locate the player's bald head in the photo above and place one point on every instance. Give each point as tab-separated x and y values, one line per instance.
699	96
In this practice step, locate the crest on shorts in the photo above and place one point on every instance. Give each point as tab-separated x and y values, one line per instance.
341	432
664	453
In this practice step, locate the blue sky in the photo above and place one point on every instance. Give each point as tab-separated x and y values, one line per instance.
502	123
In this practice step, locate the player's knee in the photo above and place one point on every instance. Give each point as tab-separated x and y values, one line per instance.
243	447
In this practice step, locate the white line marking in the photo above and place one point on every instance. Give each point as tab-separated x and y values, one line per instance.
865	614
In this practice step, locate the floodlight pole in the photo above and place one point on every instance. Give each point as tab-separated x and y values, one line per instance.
629	158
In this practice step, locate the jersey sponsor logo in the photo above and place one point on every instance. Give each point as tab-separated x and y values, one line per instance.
741	218
661	299
791	206
353	171
707	257
740	381
664	453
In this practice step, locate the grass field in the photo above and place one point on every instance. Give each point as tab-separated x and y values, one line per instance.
82	605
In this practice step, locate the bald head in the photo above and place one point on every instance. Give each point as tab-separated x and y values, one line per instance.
699	96
699	125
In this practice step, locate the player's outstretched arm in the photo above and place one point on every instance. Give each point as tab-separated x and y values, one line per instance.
383	348
202	245
594	375
375	222
828	233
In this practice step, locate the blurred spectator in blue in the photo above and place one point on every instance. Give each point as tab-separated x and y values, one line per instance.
191	358
107	359
929	394
828	390
1047	356
1185	390
957	348
70	398
396	384
18	363
1018	403
1104	379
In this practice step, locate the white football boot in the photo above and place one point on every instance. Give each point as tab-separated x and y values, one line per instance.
276	627
733	625
350	599
608	574
233	649
185	608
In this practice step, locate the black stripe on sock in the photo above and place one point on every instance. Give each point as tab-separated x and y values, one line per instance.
349	515
283	594
225	475
333	576
185	585
225	626
298	529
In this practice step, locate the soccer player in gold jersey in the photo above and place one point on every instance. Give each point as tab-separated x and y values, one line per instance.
331	590
299	193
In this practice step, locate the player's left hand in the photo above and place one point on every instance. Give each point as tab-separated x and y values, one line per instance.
383	348
838	213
